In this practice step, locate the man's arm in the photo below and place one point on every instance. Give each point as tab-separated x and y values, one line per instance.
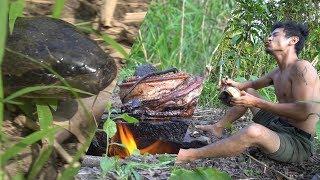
262	82
304	88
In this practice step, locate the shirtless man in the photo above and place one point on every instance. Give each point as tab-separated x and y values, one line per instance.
283	131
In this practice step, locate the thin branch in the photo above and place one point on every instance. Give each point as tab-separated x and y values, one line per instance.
64	154
182	32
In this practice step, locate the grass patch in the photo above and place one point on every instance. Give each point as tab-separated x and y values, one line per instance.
183	35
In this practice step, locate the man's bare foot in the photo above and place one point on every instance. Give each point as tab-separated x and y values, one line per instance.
213	129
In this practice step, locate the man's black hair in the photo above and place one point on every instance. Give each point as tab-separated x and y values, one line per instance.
294	29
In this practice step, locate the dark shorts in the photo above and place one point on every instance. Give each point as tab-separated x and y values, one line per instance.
296	145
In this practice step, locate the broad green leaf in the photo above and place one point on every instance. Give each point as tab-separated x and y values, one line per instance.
40	162
53	103
44	115
37	88
110	128
199	174
16	10
107	163
30	139
128	118
57	8
28	109
114	44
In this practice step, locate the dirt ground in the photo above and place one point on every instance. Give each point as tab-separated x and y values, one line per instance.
249	165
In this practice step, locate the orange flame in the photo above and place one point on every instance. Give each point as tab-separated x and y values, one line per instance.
127	139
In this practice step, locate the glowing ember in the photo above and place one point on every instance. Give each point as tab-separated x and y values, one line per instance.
127	139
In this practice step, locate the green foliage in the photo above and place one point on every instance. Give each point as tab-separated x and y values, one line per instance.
57	8
44	115
16	10
242	44
107	164
128	170
199	174
40	162
110	127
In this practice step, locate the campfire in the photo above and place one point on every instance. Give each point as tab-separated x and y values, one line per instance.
164	102
130	145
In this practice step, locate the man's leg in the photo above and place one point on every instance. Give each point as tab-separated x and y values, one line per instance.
254	135
231	115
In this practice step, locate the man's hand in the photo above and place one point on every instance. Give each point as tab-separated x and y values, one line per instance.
246	100
185	155
229	82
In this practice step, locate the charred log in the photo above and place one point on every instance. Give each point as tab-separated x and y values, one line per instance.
170	134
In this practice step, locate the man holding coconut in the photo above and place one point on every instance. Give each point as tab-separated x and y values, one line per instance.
283	131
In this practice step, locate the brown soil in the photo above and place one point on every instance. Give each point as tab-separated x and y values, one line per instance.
251	164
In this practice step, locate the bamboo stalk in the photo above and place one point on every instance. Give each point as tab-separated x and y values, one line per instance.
64	154
107	11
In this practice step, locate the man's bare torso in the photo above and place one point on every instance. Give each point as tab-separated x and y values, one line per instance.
282	81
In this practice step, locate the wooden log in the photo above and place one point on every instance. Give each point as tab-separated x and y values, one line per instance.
168	131
134	17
